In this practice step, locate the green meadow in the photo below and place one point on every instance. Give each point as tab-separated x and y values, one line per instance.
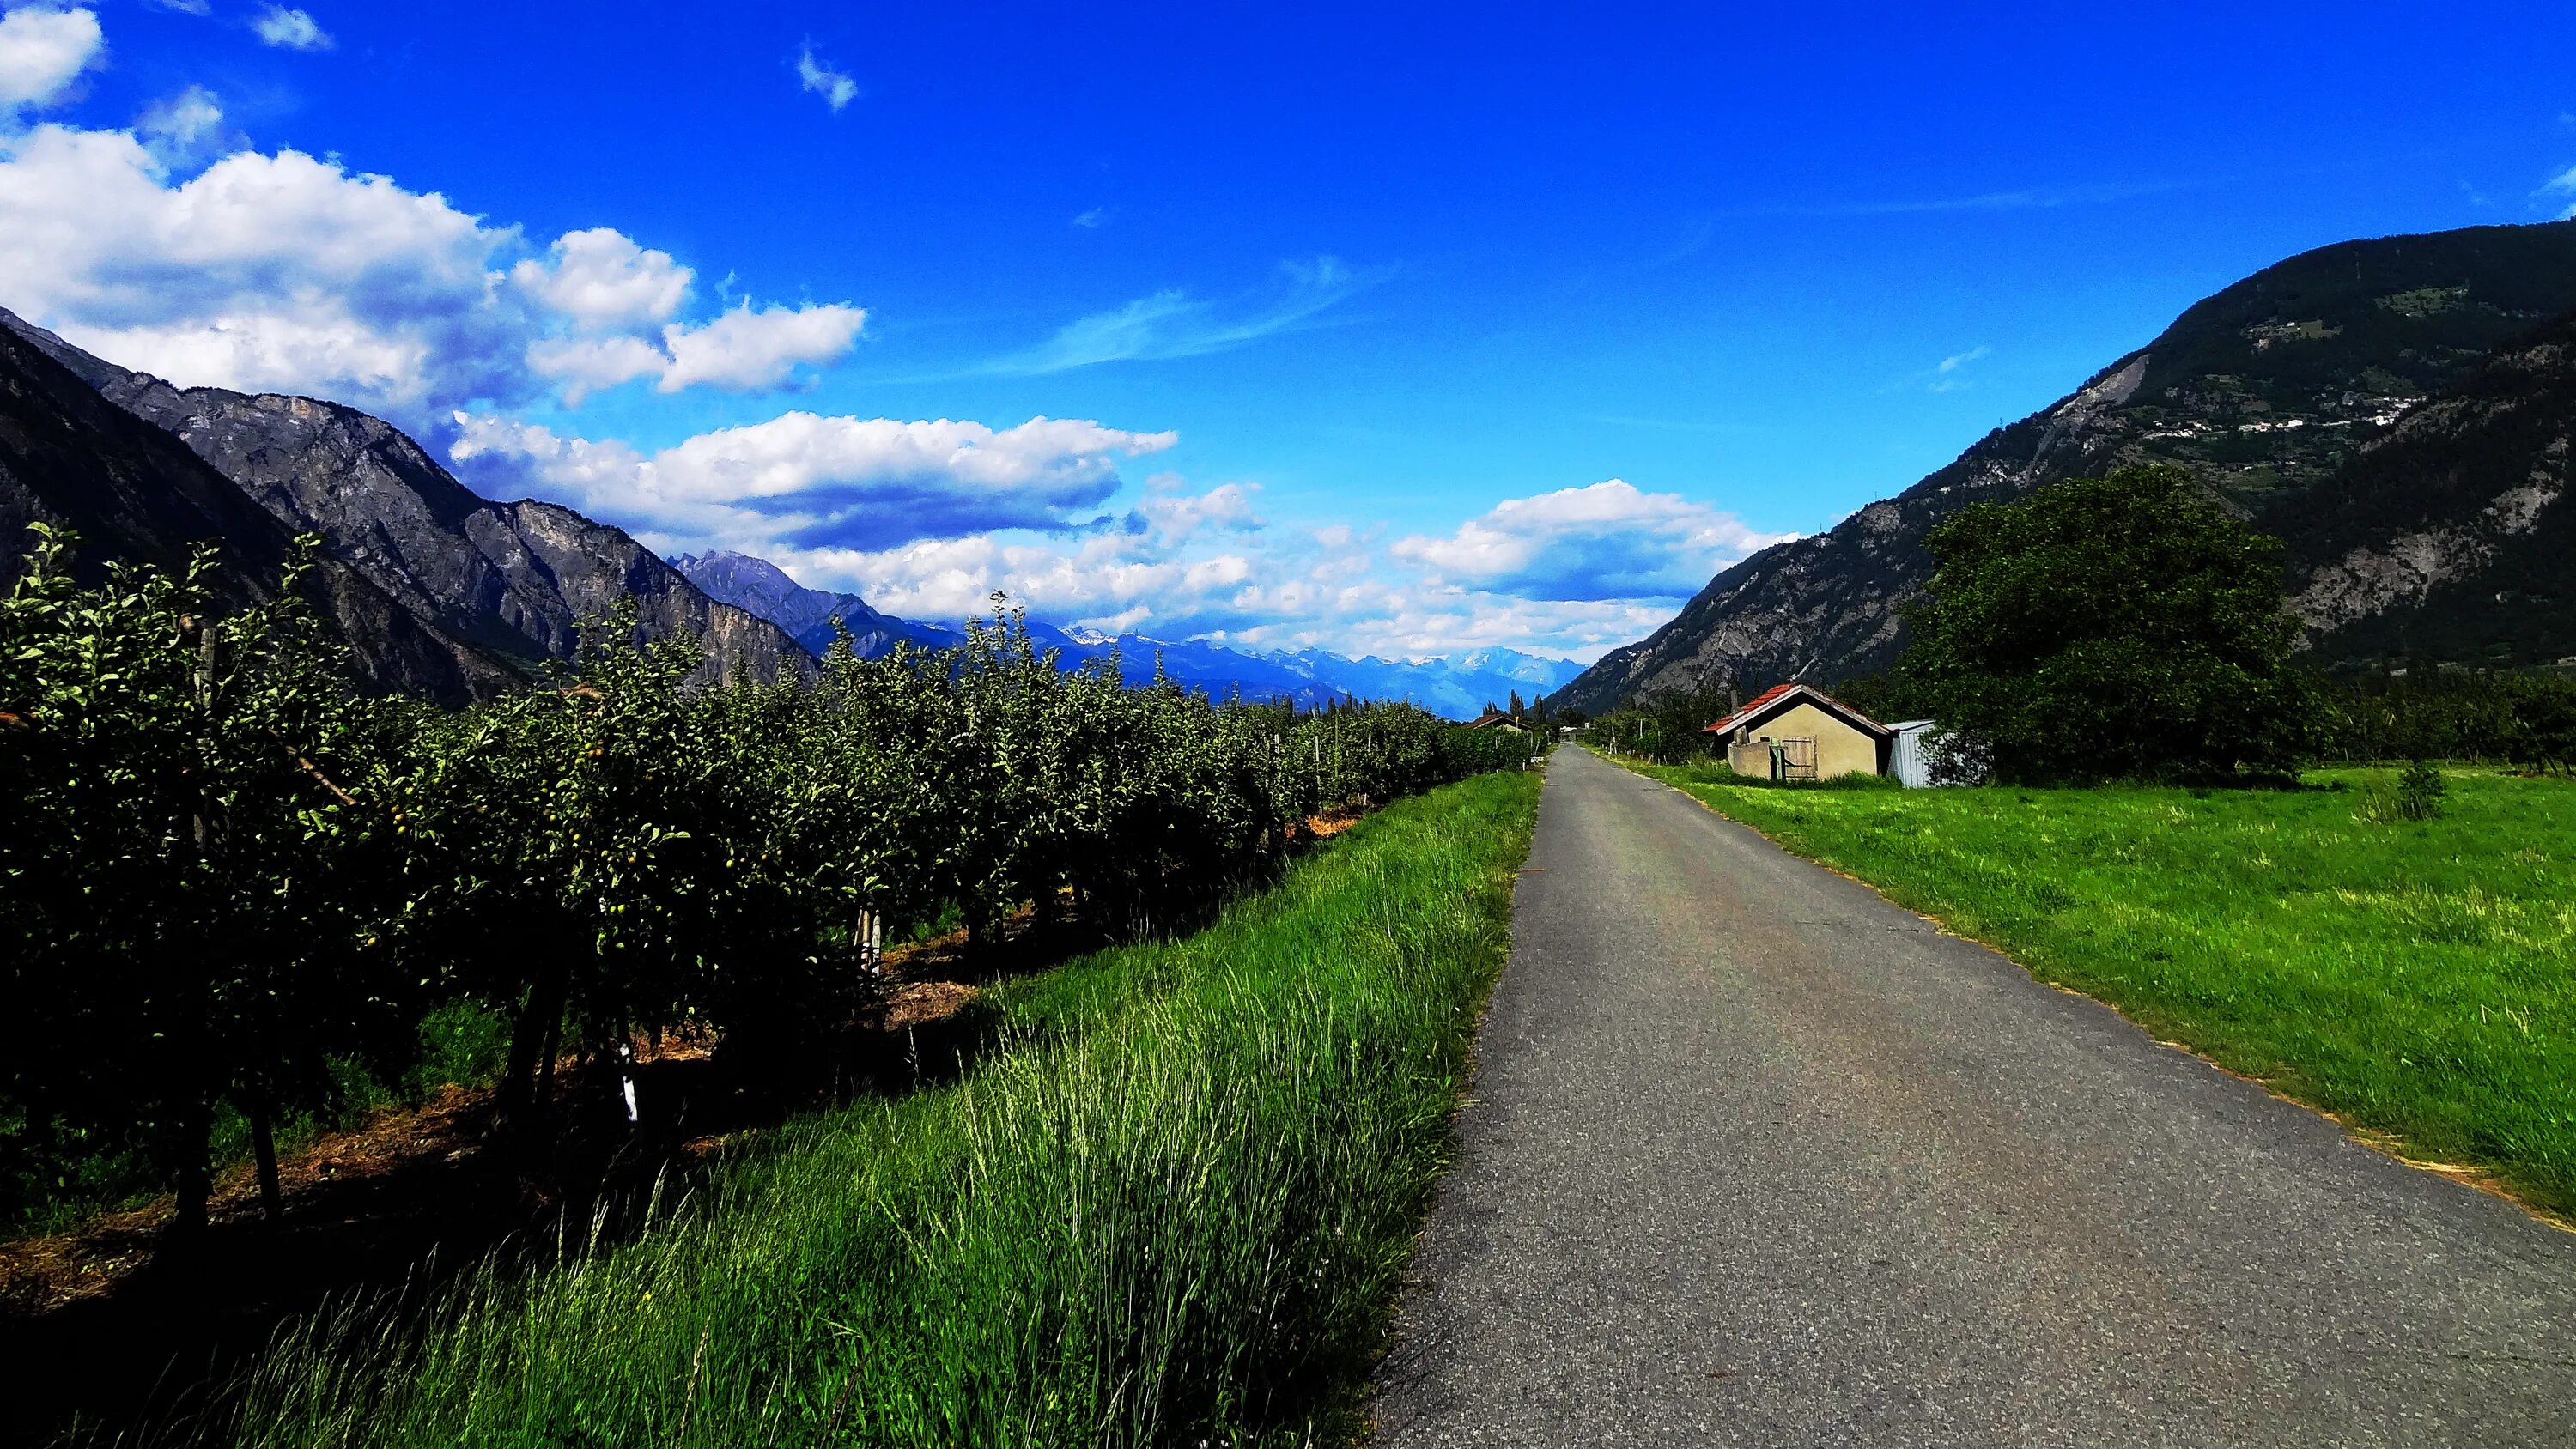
1172	1204
2416	978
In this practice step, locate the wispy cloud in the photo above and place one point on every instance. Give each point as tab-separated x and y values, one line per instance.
2562	184
1173	323
289	29
2032	199
1090	220
1688	247
1947	374
836	89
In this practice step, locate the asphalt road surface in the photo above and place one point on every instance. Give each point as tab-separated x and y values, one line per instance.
1754	1157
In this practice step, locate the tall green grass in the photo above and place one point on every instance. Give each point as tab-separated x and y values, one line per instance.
1172	1207
2413	977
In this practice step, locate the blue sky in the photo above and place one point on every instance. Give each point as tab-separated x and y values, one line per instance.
1345	319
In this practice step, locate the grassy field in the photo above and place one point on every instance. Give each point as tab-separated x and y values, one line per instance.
1174	1207
2416	978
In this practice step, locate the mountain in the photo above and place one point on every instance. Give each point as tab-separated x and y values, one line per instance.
134	493
2278	392
511	582
763	589
2448	537
1457	688
1308	677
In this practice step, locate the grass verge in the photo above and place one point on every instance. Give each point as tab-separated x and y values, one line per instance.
2416	979
1174	1206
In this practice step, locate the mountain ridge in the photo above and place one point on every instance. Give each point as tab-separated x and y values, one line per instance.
510	582
2267	390
71	458
1310	678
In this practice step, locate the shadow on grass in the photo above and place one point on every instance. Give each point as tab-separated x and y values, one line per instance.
97	1328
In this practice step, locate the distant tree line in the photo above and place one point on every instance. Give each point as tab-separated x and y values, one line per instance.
2427	711
229	881
1668	726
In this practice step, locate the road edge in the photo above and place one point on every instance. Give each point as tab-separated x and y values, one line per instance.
2387	1144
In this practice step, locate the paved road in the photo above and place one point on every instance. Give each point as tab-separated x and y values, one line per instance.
1756	1158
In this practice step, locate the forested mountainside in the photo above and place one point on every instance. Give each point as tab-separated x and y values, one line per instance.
133	493
2280	393
508	581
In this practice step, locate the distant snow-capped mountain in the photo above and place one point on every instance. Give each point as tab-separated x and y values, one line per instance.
1456	688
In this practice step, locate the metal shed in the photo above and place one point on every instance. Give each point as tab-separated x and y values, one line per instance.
1907	763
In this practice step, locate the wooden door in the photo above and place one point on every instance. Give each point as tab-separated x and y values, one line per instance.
1798	759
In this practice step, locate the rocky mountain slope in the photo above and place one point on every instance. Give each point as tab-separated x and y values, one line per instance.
512	581
134	493
2274	391
1310	677
763	589
2449	536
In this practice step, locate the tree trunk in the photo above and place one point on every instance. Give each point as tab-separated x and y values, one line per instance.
546	1056
263	1150
531	1057
192	1179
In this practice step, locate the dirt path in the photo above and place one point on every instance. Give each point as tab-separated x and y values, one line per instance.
1757	1158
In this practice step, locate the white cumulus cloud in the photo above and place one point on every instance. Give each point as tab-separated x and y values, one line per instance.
1609	541
289	29
808	482
744	350
1290	591
600	278
42	51
1174	516
610	289
262	272
290	274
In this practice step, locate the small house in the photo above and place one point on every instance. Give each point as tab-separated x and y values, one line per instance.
1798	732
1495	719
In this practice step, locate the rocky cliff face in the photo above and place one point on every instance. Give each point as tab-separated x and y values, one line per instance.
2268	391
2452	536
513	581
134	493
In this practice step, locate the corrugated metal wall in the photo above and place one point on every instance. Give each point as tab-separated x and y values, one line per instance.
1905	759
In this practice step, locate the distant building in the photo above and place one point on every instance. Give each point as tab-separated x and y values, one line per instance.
1495	719
1798	732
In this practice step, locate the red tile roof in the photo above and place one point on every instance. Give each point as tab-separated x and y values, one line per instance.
1751	707
1761	704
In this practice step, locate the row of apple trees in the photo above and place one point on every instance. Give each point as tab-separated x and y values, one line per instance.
226	874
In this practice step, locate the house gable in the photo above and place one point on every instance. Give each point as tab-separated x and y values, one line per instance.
1806	733
1778	700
